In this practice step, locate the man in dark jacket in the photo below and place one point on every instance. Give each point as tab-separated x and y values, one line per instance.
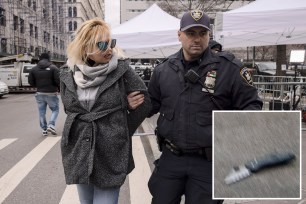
185	89
45	77
215	46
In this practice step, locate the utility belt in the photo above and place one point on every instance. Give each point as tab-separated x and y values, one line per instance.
162	142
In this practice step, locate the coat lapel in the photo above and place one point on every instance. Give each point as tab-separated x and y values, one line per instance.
112	77
67	78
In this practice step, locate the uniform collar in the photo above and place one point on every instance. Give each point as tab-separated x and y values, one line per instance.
176	60
193	62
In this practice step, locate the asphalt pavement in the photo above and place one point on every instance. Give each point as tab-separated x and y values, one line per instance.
31	169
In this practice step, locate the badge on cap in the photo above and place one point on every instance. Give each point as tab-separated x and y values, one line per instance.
245	74
210	82
196	14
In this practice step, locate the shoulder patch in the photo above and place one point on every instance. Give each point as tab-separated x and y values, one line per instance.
245	74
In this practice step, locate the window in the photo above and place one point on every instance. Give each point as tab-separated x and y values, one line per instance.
70	26
44	12
36	32
29	3
75	25
31	29
21	25
46	37
53	4
2	17
36	51
3	45
74	12
69	12
62	46
15	23
34	5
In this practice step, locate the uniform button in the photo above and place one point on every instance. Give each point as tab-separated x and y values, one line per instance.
163	114
87	139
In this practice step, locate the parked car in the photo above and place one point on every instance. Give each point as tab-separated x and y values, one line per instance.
3	89
269	69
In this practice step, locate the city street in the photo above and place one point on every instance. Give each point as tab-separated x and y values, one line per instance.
31	170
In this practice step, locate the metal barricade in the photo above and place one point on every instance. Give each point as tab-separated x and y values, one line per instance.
278	92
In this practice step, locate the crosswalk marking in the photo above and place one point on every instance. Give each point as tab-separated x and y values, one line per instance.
138	179
15	175
70	195
6	142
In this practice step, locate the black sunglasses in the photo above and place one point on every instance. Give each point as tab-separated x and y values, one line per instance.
103	46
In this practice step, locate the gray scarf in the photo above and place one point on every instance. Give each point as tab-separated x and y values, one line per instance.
86	76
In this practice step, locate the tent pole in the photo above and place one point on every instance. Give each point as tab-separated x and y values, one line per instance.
253	56
247	54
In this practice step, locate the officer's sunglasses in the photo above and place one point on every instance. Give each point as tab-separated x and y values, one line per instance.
103	46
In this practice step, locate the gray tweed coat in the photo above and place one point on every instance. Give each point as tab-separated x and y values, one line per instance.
96	145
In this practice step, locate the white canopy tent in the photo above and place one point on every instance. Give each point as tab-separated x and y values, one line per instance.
262	22
152	34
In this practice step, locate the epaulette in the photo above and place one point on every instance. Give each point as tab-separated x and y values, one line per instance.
230	57
164	60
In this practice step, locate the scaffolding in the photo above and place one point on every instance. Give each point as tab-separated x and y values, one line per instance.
33	26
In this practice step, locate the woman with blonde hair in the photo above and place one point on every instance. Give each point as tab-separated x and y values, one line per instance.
105	101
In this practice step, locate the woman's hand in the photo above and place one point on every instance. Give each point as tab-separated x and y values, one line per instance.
135	99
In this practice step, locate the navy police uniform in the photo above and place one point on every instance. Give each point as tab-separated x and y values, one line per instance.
185	121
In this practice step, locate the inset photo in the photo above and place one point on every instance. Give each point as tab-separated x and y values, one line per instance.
257	155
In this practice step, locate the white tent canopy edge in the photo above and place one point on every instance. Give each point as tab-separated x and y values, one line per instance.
152	34
262	22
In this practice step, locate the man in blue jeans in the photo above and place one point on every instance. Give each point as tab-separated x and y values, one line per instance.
45	77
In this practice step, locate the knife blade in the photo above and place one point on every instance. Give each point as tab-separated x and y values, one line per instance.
243	171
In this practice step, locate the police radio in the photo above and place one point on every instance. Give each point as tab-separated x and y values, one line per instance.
194	78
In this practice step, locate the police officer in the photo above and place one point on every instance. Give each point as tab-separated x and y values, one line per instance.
185	89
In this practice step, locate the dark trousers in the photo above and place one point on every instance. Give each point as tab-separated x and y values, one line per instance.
174	176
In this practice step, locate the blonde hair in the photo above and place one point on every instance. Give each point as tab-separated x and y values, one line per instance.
86	38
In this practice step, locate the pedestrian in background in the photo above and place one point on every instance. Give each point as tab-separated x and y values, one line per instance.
185	89
215	46
99	91
147	75
45	77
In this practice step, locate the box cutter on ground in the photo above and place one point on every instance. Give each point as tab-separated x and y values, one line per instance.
243	171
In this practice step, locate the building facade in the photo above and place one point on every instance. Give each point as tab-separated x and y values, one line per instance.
80	11
37	26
